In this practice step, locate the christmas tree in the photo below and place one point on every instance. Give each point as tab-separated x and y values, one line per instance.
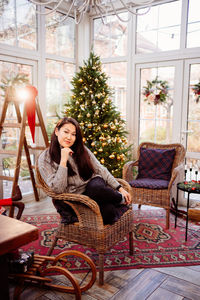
101	124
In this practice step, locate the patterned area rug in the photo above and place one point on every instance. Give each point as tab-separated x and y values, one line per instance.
154	246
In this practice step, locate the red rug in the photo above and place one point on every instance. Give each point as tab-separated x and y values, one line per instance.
154	246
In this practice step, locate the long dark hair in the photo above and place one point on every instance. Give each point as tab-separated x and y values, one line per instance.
80	154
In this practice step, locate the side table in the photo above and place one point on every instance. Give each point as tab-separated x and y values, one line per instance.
190	187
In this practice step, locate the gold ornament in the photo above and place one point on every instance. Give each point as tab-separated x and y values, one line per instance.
113	127
89	126
112	156
84	140
102	160
88	115
100	150
105	125
82	124
104	144
80	80
92	144
118	157
95	152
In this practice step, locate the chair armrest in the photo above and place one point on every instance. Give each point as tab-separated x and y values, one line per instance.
127	173
124	184
86	209
75	198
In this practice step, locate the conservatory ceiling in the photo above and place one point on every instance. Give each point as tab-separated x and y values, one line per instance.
79	8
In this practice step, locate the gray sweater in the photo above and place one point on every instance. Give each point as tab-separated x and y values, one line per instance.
56	176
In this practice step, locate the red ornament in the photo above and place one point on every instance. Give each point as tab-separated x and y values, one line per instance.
30	108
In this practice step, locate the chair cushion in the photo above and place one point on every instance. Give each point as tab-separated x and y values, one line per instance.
156	163
149	183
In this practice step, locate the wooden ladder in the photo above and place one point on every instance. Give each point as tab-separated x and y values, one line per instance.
22	123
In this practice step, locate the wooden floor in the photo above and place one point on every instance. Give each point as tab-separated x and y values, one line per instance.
174	283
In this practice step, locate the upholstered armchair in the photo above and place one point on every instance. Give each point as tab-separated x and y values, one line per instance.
90	230
157	166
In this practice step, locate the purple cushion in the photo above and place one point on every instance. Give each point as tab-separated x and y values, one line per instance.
156	163
149	183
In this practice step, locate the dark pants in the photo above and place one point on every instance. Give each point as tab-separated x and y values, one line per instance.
107	199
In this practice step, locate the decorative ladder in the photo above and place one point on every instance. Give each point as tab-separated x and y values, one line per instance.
22	123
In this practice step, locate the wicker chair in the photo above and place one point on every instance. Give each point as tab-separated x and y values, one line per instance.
155	197
90	230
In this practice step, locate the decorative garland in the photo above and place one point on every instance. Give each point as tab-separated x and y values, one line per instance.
156	91
196	91
193	185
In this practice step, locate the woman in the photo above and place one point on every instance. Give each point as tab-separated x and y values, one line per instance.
68	166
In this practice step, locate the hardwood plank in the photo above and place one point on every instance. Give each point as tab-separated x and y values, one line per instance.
162	294
120	278
182	273
181	287
195	268
141	286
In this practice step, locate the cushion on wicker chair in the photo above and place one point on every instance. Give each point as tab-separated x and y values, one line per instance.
156	163
150	183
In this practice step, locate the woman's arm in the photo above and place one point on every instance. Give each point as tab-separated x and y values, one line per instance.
54	175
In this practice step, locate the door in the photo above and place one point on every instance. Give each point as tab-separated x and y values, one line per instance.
190	132
158	102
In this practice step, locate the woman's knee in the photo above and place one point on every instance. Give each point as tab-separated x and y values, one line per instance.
95	186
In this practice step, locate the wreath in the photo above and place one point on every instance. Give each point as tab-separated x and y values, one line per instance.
196	91
156	91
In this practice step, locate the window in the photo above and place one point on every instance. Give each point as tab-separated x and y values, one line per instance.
110	39
60	36
117	73
58	86
193	30
18	24
159	29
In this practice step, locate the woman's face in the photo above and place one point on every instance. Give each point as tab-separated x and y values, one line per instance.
66	135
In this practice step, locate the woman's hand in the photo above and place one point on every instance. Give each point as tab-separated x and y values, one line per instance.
65	152
126	195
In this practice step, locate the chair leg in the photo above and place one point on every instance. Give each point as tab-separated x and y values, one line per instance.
52	246
131	243
101	269
167	217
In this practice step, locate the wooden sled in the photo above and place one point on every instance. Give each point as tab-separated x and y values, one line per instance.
39	275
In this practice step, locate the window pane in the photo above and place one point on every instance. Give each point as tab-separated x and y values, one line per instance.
117	73
10	136
58	86
110	39
156	120
193	141
18	29
159	29
193	30
60	36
